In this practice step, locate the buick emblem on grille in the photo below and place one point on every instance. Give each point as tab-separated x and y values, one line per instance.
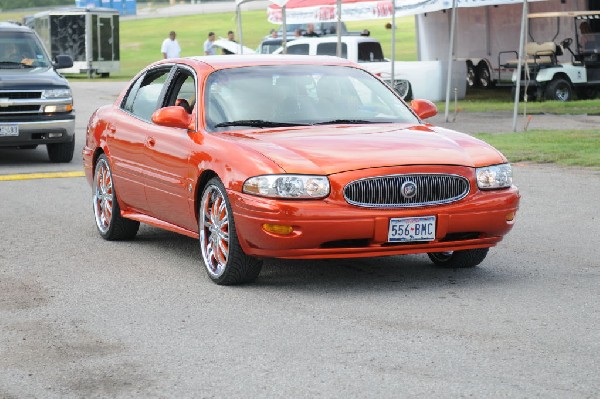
408	189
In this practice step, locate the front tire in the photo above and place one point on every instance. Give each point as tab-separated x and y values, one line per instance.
459	259
111	225
225	261
559	89
61	152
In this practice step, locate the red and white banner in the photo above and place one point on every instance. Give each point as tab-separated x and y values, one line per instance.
305	11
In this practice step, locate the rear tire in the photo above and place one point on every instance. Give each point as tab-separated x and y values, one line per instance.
225	261
559	89
459	259
484	77
471	74
111	225
61	152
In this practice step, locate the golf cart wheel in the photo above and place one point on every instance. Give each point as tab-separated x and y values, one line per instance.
559	89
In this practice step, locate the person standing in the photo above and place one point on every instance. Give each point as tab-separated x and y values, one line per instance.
310	31
209	49
170	47
231	38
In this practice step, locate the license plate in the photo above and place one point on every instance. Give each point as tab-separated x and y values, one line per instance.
412	229
9	130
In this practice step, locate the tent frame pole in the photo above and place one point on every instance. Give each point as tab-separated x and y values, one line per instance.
450	59
522	39
393	72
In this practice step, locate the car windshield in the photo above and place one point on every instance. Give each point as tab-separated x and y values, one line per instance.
269	96
21	50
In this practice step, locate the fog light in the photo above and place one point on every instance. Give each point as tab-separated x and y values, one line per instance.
510	216
277	228
54	135
49	109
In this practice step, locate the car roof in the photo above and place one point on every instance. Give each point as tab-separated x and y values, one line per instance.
13	27
333	39
237	61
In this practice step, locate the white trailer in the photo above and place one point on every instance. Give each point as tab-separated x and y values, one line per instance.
89	35
487	37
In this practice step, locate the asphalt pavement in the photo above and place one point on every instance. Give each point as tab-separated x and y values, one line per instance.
83	317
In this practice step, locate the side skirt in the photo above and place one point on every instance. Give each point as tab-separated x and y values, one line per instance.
140	217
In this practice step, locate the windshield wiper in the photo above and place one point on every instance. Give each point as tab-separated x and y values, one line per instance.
10	64
342	121
258	123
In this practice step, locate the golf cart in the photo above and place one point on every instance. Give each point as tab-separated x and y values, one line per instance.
544	77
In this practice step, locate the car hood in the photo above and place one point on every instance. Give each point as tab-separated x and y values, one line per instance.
30	78
339	148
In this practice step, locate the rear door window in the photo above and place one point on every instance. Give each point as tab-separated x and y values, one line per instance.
331	49
370	52
300	49
146	95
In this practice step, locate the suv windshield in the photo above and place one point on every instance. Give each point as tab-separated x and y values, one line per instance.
21	50
270	96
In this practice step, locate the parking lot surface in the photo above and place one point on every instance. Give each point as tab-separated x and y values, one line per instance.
82	317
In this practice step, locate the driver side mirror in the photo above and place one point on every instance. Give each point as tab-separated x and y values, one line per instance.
174	116
423	108
62	61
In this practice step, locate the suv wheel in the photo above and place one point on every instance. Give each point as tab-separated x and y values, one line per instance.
61	152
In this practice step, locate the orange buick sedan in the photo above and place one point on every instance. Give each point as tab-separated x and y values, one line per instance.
291	157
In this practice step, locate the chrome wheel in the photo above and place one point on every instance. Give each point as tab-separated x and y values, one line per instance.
225	261
402	87
563	93
214	230
110	223
103	196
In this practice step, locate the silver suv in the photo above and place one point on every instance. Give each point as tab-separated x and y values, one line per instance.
36	104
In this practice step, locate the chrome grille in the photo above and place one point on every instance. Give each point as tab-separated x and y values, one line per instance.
386	191
21	102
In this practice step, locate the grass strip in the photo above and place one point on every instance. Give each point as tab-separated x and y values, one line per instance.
563	147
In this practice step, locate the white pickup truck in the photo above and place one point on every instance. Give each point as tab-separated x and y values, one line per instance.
413	79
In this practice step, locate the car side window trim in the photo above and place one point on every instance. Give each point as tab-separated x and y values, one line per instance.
143	81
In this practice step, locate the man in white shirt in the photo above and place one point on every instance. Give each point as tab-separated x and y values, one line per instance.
170	48
208	44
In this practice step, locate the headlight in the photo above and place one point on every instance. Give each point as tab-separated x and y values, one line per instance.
496	176
288	186
57	93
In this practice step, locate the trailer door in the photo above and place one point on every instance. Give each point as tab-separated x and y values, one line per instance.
103	43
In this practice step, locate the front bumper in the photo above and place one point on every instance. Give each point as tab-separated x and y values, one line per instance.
326	230
40	131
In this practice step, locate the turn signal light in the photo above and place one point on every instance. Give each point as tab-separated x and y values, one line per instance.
50	109
510	216
277	228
